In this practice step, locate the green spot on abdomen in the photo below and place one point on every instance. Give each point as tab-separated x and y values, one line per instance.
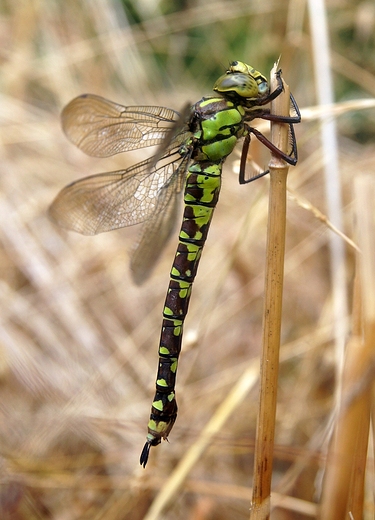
158	427
177	331
183	293
175	272
158	405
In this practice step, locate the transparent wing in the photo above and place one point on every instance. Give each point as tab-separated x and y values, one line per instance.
116	199
178	135
157	230
102	128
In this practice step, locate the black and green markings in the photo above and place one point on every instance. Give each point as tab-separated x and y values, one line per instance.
192	150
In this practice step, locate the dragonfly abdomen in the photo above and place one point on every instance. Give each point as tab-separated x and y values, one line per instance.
201	195
218	124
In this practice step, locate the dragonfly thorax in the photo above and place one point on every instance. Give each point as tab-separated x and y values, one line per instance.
217	125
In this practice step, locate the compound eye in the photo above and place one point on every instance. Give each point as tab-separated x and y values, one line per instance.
243	81
241	84
263	87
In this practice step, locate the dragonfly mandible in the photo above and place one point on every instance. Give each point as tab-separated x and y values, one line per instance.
193	146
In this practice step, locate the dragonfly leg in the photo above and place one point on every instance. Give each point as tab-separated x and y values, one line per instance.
265	114
245	150
290	159
273	95
296	108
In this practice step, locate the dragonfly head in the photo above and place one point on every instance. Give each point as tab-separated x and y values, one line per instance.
241	80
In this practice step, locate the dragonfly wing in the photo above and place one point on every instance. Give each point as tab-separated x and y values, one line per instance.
179	133
157	230
102	128
113	200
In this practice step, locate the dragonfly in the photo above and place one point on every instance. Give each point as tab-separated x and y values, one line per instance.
191	149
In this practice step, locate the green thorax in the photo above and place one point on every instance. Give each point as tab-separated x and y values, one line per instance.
216	124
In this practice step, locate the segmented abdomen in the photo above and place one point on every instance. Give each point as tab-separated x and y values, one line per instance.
219	124
202	189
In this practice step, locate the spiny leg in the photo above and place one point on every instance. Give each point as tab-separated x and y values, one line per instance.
290	159
245	151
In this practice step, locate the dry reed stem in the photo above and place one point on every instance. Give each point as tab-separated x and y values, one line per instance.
264	444
345	475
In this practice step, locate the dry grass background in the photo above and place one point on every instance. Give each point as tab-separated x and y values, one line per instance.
78	341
